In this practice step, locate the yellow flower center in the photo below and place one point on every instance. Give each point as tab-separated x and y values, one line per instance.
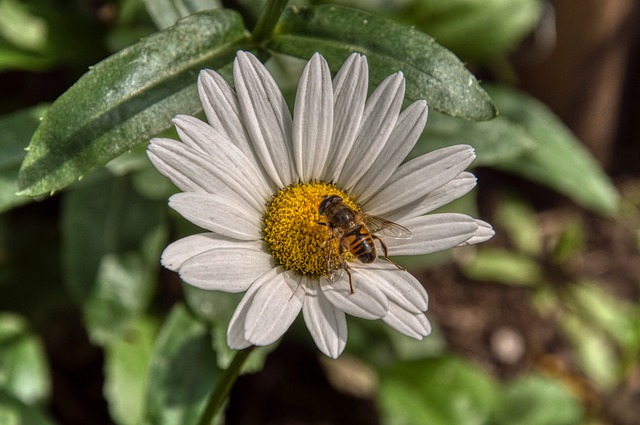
291	229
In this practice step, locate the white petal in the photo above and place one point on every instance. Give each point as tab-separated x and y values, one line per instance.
313	119
350	93
380	115
224	215
273	309
266	117
327	324
183	249
186	167
433	233
399	286
225	154
196	134
235	332
414	325
482	234
193	171
367	301
451	191
416	178
231	269
403	138
221	107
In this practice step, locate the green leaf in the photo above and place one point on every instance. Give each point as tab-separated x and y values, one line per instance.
23	366
494	141
23	37
517	218
606	312
15	132
126	366
128	98
14	411
165	13
12	57
595	354
112	243
444	390
477	29
433	73
499	265
183	371
559	160
571	240
535	400
20	27
37	34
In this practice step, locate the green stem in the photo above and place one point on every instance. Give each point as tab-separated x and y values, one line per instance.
221	391
268	19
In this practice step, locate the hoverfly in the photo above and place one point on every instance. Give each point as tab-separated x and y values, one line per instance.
356	233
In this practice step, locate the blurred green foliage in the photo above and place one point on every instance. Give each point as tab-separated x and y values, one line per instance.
102	256
603	329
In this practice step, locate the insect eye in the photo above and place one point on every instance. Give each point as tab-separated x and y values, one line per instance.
324	204
327	200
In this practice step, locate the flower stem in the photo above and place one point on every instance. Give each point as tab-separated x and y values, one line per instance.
268	19
222	389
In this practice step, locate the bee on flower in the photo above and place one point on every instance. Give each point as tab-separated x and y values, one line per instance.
355	233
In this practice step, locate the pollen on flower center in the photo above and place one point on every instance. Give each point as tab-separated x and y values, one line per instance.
291	229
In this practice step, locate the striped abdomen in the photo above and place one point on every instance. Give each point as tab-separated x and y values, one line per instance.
361	244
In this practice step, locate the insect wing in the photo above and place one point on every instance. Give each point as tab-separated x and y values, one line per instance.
383	227
335	264
336	274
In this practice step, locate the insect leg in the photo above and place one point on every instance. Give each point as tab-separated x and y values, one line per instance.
386	253
346	268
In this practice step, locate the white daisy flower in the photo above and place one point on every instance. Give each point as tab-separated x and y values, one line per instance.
254	178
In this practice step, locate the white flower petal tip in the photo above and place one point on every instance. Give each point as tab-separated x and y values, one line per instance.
313	119
326	323
266	118
482	234
414	325
253	175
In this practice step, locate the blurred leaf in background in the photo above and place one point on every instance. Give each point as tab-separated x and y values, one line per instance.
444	390
113	237
37	34
559	160
165	13
126	371
536	400
182	371
14	411
477	30
23	366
